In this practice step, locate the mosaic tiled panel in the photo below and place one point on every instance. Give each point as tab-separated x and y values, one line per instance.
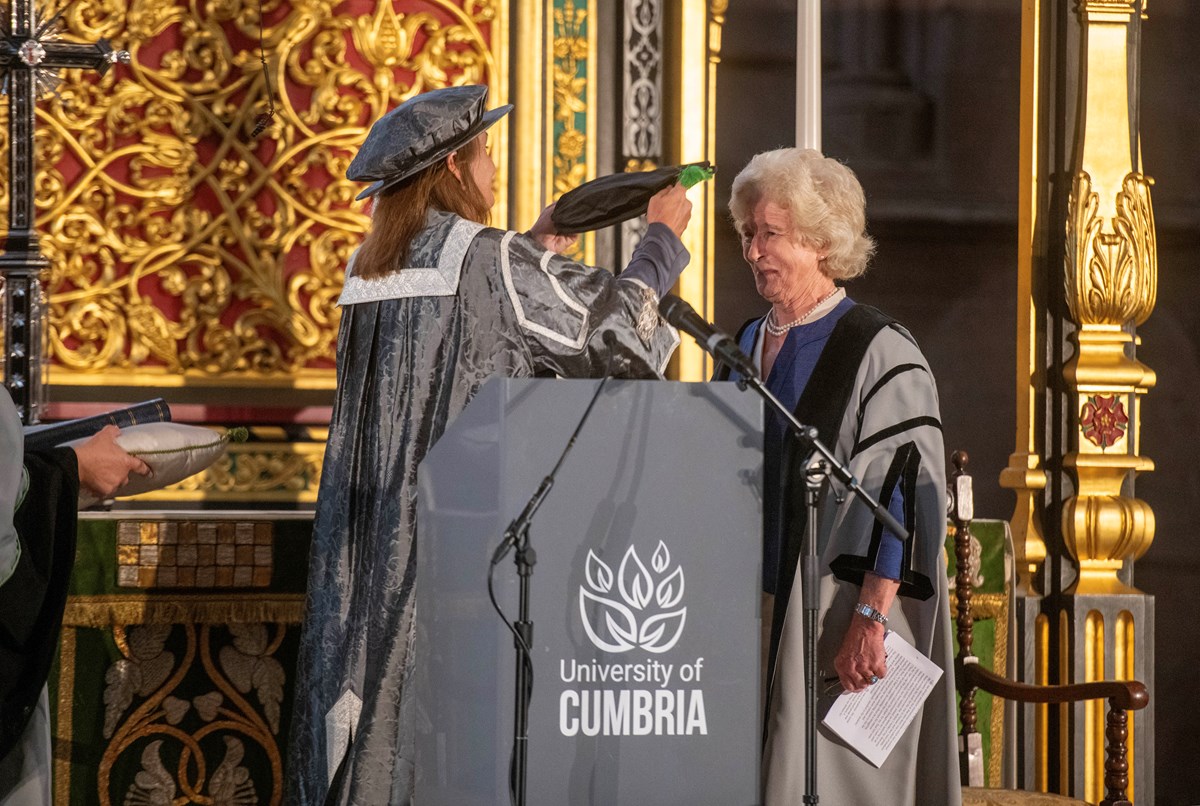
194	554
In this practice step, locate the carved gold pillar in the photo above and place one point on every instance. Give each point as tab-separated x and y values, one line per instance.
1111	281
555	119
531	100
1025	474
699	43
1087	280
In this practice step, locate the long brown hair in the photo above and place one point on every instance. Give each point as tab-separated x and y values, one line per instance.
397	215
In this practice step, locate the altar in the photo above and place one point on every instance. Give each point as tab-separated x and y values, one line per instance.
174	674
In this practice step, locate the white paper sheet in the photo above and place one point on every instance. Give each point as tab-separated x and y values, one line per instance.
873	720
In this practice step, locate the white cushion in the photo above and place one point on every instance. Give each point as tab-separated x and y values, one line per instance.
172	450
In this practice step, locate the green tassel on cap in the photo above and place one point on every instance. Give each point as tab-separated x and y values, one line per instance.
694	175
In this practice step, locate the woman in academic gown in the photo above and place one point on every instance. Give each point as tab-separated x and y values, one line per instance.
435	303
860	378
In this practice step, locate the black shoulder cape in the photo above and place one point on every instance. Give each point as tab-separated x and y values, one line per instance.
34	597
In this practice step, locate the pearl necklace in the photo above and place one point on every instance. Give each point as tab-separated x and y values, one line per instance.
780	330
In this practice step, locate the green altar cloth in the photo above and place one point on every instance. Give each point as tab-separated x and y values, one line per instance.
174	677
992	581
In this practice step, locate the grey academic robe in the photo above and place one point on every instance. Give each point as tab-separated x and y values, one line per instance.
893	404
413	348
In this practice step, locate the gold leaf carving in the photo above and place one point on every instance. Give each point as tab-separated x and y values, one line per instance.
1111	276
262	472
180	245
1134	225
152	333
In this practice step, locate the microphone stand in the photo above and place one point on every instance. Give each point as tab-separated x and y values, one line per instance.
824	465
516	535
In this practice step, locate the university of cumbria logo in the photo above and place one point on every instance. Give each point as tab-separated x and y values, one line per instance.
642	612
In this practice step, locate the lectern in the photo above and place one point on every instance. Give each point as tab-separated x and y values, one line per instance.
645	596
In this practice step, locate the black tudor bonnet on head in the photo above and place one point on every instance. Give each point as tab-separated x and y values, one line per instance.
420	132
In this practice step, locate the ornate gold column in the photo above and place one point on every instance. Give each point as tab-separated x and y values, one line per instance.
1110	272
699	48
531	99
1111	281
1025	474
556	81
574	82
1087	279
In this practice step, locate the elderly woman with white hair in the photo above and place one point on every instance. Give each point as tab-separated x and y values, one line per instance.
860	379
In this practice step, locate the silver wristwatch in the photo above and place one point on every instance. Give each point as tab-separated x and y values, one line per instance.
869	612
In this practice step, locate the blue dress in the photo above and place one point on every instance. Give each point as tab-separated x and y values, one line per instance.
789	376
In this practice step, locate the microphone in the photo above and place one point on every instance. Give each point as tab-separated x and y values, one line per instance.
718	344
513	534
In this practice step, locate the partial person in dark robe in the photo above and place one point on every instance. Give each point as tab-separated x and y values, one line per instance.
39	496
860	379
434	304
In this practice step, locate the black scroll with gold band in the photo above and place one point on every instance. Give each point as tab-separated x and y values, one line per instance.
42	437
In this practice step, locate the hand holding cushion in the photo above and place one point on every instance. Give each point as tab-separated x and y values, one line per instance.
169	451
104	466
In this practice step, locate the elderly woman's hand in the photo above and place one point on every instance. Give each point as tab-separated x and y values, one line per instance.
861	656
104	467
671	207
543	232
861	660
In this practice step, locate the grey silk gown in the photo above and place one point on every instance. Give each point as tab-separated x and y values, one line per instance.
414	347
